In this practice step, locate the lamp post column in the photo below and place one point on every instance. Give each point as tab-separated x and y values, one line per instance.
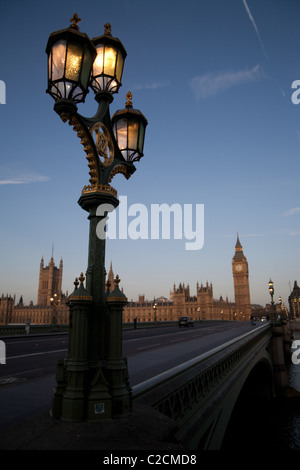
117	370
95	275
99	401
73	404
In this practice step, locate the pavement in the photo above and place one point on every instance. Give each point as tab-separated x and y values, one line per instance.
142	428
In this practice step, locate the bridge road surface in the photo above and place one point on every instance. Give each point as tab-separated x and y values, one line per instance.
28	377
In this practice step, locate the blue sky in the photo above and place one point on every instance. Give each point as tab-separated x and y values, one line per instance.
214	79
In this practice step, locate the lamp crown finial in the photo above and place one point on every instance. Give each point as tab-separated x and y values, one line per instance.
76	283
129	98
75	20
81	279
117	280
107	29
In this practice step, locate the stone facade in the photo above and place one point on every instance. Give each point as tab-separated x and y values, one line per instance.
46	311
201	306
294	302
50	281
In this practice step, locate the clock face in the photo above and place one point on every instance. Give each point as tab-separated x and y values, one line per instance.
238	268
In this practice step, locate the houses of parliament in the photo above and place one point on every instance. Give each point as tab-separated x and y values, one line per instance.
51	301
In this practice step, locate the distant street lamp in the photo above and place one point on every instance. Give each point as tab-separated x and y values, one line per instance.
273	308
76	63
271	291
54	303
155	307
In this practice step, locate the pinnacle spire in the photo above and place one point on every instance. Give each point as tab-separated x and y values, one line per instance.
238	245
111	278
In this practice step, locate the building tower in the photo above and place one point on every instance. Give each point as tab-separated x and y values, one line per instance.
294	302
50	282
205	301
241	283
111	278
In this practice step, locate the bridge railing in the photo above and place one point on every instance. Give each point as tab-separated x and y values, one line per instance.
20	329
23	329
178	391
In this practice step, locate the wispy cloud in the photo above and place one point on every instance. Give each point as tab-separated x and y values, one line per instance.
255	27
254	235
211	84
13	175
152	85
294	211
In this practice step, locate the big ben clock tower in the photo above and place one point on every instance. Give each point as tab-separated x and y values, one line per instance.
241	283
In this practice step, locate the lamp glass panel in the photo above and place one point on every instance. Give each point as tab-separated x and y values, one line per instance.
141	138
133	132
74	59
119	69
121	136
98	62
86	68
110	59
58	59
113	85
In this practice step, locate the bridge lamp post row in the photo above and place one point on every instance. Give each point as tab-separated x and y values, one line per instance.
112	145
271	291
54	301
273	307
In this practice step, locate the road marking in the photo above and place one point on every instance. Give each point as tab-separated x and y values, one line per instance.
149	346
36	354
11	380
151	337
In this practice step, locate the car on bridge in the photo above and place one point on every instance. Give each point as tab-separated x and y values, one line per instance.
185	321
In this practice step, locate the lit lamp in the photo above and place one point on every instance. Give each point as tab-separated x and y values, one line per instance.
111	146
155	307
54	303
70	58
273	307
271	291
129	129
108	66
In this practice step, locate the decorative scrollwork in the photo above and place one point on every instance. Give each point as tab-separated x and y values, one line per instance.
102	188
119	169
87	145
103	143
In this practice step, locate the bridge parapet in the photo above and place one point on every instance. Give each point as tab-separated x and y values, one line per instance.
200	394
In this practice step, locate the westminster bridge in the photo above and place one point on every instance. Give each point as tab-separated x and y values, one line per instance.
201	394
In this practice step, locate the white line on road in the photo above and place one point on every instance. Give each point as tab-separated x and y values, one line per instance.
150	346
36	354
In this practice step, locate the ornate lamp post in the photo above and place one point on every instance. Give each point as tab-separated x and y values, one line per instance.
155	315
273	308
54	303
271	291
76	63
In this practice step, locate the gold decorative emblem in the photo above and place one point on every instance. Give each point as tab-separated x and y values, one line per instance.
103	143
